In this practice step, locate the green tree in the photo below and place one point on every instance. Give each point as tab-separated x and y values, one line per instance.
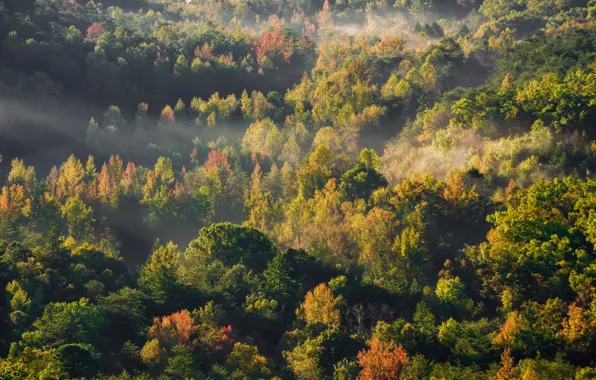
244	362
65	323
78	217
158	277
233	244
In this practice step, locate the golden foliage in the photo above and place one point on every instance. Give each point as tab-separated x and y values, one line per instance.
509	329
320	306
507	370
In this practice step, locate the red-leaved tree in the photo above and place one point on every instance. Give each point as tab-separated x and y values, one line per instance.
96	30
274	44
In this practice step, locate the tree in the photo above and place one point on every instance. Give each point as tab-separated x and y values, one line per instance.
383	361
291	153
374	234
258	204
244	362
181	363
533	369
397	89
279	282
233	244
181	67
109	181
425	324
217	169
496	8
23	175
95	31
272	47
70	178
363	179
131	183
469	341
141	119
90	169
321	306
532	238
450	291
507	370
64	323
14	205
256	107
171	342
578	328
256	187
264	138
273	182
328	136
305	360
180	112
21	304
78	360
201	208
158	275
125	309
112	118
171	330
152	353
167	117
297	215
78	216
456	193
313	175
158	190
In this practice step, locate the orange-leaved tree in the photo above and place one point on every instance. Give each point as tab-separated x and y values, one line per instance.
382	361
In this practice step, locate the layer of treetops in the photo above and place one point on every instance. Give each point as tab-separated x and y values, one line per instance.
298	189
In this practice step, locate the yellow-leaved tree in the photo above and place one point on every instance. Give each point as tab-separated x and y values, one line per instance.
321	306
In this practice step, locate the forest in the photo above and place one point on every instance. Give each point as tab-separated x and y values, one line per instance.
298	189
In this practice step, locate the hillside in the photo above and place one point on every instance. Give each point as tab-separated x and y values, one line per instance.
298	189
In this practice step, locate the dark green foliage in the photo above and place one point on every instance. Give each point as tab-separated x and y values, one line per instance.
234	244
279	279
78	360
360	182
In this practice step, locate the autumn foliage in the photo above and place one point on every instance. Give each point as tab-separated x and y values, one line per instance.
167	115
95	30
507	370
382	361
321	306
377	237
178	328
272	45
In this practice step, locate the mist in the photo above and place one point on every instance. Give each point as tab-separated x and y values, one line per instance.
404	157
44	136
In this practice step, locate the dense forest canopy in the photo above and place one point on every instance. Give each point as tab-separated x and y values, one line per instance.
298	189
